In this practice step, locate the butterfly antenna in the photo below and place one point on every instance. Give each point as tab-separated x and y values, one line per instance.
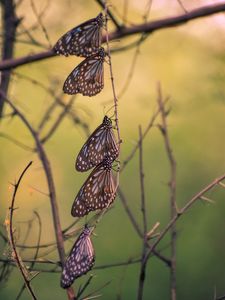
111	107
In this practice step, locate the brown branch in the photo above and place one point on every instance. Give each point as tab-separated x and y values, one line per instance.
112	81
49	177
149	27
172	186
143	210
12	242
183	210
10	23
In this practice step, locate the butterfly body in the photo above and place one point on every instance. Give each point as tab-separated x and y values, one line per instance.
100	144
80	260
88	77
98	191
83	40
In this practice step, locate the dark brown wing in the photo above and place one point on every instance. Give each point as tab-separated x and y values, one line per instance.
80	260
87	78
83	40
98	191
100	144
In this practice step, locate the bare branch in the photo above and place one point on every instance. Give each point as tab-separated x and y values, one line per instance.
112	81
58	121
143	210
10	23
149	27
12	242
172	186
186	207
51	186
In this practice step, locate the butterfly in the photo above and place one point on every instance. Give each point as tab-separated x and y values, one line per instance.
80	260
97	192
100	144
88	77
83	40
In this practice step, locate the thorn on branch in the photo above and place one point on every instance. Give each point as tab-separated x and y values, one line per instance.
150	233
207	199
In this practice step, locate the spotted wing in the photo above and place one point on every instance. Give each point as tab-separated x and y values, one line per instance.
83	40
87	78
80	260
98	191
100	144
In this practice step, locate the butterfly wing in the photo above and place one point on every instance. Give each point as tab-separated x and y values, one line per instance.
83	40
87	78
80	260
98	191
100	144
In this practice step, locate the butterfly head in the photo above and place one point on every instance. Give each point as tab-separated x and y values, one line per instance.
107	122
87	230
101	53
100	20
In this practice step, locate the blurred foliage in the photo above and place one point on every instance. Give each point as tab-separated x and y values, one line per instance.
189	63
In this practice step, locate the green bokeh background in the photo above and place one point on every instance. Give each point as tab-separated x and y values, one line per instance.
189	63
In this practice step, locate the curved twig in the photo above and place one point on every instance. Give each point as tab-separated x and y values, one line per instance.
12	242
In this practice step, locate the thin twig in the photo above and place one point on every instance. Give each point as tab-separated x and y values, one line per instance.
172	186
83	288
12	241
112	79
137	228
39	19
57	101
16	142
181	211
144	217
58	121
112	17
147	129
36	251
182	6
89	296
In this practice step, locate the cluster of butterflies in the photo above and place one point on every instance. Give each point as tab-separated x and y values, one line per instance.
85	41
97	192
101	148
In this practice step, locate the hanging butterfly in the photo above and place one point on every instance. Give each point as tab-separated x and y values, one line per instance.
88	77
98	191
83	40
80	260
100	144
